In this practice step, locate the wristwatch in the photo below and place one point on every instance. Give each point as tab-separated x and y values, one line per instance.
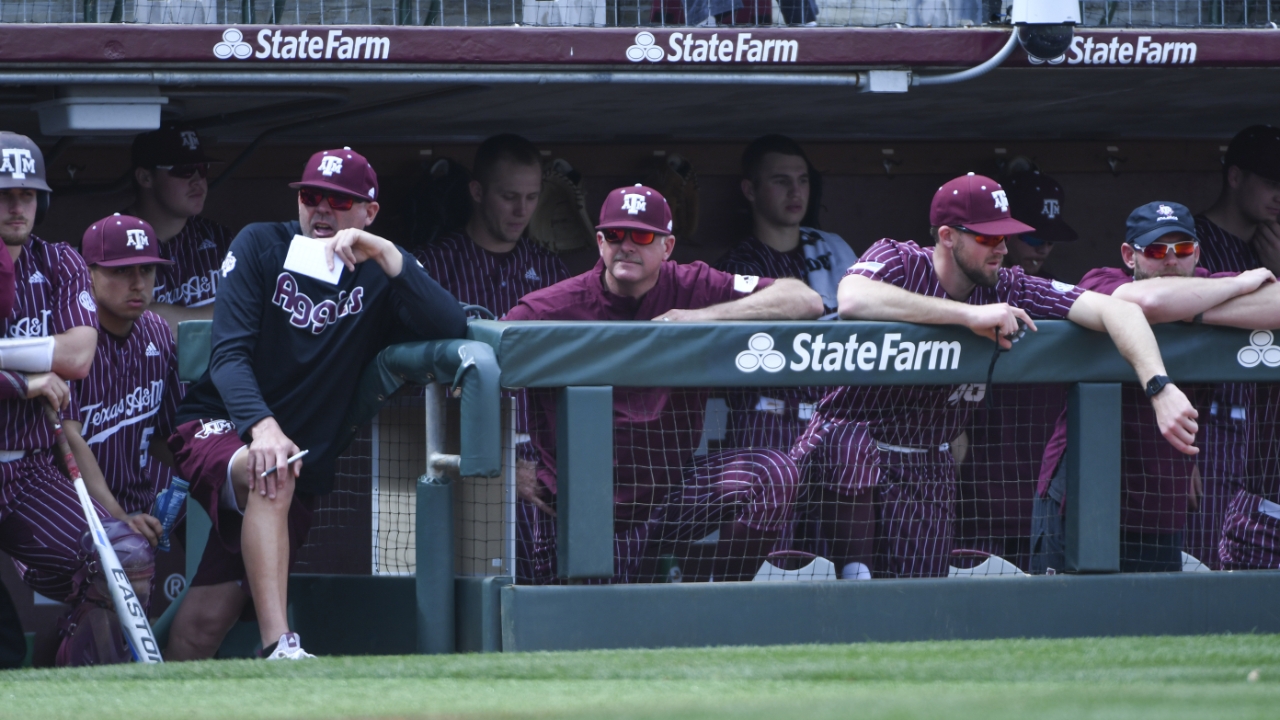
1156	384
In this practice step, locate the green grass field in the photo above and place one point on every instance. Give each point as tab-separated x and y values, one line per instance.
1169	677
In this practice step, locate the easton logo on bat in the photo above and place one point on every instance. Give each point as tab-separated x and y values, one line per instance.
816	353
150	649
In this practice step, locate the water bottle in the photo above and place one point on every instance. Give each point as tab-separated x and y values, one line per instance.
168	506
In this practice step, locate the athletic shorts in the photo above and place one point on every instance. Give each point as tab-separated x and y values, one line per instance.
204	450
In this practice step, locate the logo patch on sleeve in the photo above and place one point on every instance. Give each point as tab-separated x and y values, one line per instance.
86	301
745	283
869	266
1062	287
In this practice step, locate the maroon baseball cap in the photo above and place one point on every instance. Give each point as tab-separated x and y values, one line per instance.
636	208
7	287
1038	199
977	203
120	240
343	170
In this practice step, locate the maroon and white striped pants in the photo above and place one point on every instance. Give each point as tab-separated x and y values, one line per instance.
754	487
1250	537
41	523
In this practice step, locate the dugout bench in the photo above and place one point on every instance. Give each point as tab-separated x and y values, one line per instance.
585	360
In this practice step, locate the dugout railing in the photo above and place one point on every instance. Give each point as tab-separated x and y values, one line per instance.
585	361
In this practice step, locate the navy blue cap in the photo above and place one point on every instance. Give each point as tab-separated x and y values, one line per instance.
1256	149
1157	219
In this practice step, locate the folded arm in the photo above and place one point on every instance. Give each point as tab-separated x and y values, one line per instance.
862	298
1258	310
1170	299
785	299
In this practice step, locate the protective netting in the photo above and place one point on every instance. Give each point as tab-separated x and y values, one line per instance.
630	13
721	484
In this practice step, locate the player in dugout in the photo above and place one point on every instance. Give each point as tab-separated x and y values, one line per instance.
776	183
122	412
1160	254
49	338
170	180
303	307
1239	232
13	644
663	494
1009	430
881	456
492	262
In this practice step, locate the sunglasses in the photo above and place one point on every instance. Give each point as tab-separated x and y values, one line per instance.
1033	241
987	240
337	201
185	172
1157	251
618	235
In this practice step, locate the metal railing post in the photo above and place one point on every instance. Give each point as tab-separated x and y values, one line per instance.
434	537
584	482
1092	532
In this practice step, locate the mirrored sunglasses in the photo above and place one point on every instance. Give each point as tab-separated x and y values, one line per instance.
987	240
338	201
1158	251
619	235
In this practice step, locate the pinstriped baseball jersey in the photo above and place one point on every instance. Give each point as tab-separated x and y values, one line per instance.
767	417
13	385
130	394
494	281
922	416
1227	431
197	254
52	297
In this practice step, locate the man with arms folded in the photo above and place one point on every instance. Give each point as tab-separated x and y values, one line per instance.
775	182
662	494
1160	253
48	338
288	349
170	178
881	455
1239	232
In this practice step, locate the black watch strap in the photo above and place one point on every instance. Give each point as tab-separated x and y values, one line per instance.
1156	384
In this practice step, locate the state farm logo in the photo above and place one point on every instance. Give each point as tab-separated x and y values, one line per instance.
816	353
1086	50
1260	350
760	354
281	45
645	49
712	47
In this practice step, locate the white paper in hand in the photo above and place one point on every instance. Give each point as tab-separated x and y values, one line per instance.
306	257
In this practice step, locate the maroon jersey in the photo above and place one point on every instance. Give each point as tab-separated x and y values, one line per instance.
52	297
197	254
768	417
1221	251
656	430
914	416
495	281
130	394
13	385
1155	476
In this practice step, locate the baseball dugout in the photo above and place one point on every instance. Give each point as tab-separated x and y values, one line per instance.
582	363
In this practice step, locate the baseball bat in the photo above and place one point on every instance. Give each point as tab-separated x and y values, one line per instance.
133	617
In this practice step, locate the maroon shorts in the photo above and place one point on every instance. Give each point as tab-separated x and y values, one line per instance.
203	449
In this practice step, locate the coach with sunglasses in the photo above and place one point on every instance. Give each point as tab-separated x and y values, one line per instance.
663	496
883	455
1158	485
290	339
170	179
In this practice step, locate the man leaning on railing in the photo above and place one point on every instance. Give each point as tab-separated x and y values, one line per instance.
663	495
880	457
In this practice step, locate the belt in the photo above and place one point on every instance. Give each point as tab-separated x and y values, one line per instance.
8	456
911	450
